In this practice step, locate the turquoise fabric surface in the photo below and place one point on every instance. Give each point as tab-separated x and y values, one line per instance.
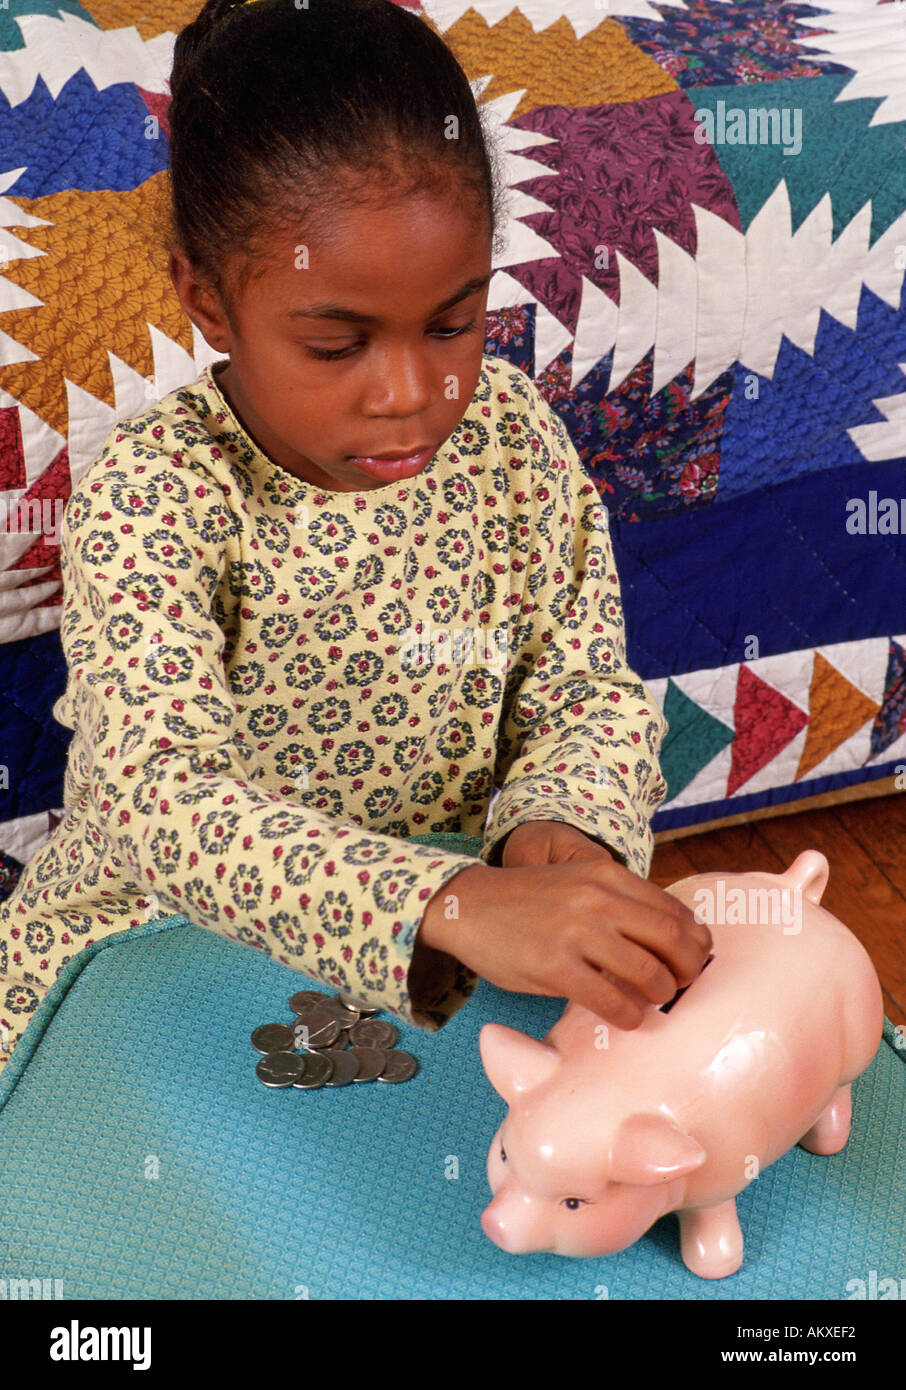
141	1158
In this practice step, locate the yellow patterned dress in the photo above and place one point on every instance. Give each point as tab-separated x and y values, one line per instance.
271	685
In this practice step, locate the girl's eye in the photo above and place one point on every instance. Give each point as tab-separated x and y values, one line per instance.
574	1203
331	354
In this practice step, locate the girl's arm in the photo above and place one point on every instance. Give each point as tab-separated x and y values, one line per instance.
580	735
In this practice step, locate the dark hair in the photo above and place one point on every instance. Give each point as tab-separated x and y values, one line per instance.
278	112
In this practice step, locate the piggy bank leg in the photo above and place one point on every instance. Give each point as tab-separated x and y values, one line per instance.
711	1240
829	1133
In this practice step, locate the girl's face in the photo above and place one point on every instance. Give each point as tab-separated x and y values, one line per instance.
397	298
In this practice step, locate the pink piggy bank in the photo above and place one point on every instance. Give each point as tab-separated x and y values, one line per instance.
609	1129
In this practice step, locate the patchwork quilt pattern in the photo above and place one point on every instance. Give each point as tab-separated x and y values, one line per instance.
703	272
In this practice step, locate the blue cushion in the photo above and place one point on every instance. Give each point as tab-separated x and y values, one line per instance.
142	1158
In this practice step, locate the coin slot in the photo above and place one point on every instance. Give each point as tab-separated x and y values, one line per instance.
665	1008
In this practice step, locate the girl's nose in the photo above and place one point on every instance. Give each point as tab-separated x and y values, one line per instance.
401	382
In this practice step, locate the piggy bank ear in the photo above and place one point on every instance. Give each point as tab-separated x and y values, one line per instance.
650	1149
808	873
514	1062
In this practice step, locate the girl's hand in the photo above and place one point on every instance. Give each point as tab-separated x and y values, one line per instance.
548	842
583	928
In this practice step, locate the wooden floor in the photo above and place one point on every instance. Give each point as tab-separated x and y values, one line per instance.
864	843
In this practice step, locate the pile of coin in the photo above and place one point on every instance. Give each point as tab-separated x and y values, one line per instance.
333	1040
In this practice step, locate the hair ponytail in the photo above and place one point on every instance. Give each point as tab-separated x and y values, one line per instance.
190	39
279	111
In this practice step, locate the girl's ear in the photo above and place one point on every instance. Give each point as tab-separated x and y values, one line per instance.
201	303
173	262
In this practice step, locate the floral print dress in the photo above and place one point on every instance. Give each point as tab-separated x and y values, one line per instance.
272	685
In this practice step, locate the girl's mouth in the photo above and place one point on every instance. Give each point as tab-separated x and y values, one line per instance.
389	470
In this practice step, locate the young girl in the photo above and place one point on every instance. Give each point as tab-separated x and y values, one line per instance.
286	652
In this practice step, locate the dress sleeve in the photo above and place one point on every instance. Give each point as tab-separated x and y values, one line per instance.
145	552
580	734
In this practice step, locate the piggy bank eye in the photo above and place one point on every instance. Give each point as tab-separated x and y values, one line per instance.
502	1153
574	1203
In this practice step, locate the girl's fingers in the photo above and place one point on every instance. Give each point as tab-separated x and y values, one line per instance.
642	891
593	990
631	965
647	931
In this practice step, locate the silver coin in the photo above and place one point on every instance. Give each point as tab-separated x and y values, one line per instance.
273	1037
305	997
401	1066
316	1029
317	1070
373	1032
358	1005
345	1017
306	1044
345	1068
280	1068
307	1007
372	1061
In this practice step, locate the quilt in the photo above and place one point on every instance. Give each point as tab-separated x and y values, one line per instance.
703	272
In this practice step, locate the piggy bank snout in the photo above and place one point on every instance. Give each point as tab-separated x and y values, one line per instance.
494	1226
520	1223
515	1221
